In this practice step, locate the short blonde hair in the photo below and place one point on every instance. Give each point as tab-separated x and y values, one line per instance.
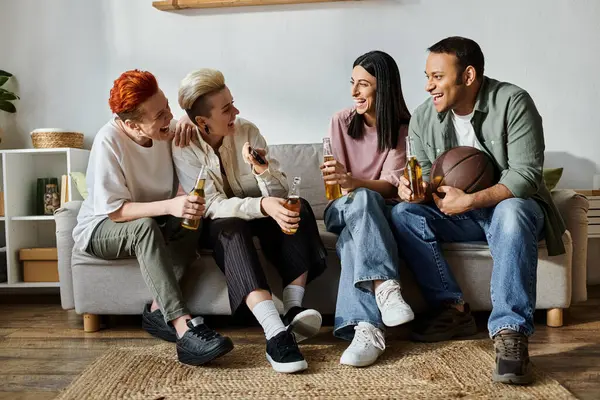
194	89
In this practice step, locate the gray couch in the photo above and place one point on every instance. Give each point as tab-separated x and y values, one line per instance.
96	287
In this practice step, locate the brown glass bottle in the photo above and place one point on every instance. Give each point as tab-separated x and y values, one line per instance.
198	190
334	191
293	201
414	174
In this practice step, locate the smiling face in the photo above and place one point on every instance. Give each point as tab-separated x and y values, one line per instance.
155	118
445	82
222	113
364	87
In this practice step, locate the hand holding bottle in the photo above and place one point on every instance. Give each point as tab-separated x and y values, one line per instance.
187	206
275	208
412	188
406	194
192	219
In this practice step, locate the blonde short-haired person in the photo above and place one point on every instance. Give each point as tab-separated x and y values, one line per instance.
245	198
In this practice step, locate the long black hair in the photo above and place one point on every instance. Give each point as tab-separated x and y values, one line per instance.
390	108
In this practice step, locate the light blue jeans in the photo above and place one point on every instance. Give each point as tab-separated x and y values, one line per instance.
367	250
512	230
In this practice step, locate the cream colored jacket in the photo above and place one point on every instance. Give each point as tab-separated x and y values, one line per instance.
248	187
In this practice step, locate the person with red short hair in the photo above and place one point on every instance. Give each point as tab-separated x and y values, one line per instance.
133	210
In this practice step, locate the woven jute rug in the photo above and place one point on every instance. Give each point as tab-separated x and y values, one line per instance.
460	369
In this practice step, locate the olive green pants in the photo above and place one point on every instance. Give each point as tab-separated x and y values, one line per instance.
163	249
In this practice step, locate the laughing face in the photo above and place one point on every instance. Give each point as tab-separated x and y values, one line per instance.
445	81
364	86
221	121
156	117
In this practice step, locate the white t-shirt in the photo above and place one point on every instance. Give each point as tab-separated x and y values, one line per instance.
119	171
465	134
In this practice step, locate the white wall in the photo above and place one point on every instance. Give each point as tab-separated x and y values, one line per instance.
288	66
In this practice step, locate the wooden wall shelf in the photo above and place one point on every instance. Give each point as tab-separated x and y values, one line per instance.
170	5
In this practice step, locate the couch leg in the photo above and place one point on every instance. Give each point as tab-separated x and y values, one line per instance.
91	322
554	317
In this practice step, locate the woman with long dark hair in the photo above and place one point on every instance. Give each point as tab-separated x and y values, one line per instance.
368	148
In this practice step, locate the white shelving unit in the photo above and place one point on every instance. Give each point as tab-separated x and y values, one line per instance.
20	227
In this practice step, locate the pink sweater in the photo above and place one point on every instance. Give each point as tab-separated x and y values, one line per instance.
361	157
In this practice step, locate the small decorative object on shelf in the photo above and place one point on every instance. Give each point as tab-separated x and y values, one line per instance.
54	138
44	200
51	199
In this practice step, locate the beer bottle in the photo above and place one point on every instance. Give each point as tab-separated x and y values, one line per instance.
333	191
414	174
198	190
293	201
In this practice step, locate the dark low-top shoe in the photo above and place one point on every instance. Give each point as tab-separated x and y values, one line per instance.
283	353
154	323
201	344
512	358
443	324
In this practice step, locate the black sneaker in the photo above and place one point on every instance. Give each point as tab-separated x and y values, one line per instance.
302	322
444	324
200	344
284	355
154	323
512	358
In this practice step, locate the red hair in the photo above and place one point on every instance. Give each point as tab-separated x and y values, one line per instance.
129	91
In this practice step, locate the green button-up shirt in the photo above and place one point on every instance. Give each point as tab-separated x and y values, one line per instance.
510	130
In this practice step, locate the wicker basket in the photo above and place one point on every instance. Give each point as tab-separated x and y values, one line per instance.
53	138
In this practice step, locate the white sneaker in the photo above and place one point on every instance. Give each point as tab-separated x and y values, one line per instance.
302	322
368	344
393	308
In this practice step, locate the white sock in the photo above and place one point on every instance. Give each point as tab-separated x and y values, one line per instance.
292	297
267	315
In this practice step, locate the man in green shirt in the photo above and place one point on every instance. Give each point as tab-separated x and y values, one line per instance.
470	109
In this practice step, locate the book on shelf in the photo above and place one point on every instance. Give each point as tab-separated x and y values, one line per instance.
64	189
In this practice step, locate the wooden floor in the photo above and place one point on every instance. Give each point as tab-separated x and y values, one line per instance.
43	348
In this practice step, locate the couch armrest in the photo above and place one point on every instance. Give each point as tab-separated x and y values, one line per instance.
573	208
66	219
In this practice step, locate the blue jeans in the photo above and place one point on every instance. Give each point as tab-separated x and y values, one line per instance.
512	230
367	250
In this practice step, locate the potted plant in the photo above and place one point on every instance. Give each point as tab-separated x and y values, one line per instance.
6	96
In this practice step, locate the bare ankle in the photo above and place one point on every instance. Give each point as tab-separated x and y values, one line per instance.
459	307
154	306
180	324
376	284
